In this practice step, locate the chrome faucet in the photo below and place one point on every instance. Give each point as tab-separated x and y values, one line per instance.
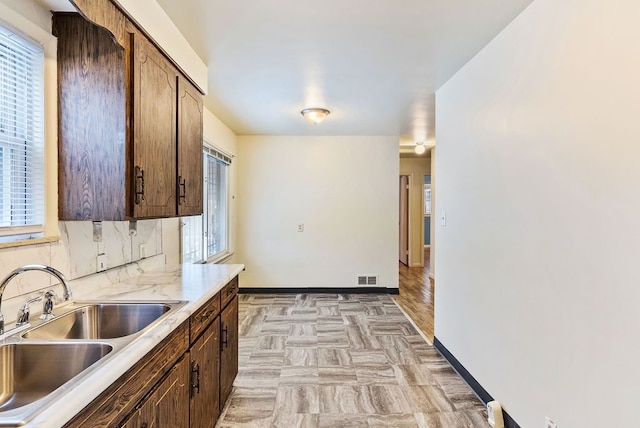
25	311
40	268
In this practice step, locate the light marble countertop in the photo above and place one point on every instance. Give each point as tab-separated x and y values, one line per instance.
195	284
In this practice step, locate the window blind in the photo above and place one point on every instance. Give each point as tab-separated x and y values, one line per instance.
21	135
206	236
226	159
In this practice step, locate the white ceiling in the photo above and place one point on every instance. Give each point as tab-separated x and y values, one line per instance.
375	64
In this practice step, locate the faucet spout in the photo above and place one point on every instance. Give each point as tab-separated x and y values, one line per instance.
41	268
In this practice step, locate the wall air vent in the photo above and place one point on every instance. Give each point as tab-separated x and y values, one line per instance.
368	280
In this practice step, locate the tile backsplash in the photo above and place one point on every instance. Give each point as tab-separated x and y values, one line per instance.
75	255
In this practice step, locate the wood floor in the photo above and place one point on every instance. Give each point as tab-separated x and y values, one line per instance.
416	295
341	360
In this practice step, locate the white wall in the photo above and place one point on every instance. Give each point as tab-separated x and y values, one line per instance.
344	190
416	168
150	15
538	167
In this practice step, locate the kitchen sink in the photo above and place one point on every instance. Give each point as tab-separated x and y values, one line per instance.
36	363
30	371
100	321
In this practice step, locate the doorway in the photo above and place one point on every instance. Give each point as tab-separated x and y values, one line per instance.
403	254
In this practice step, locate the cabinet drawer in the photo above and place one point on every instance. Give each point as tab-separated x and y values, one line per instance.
229	291
203	317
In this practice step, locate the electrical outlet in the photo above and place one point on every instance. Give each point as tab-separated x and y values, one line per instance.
548	423
301	227
102	262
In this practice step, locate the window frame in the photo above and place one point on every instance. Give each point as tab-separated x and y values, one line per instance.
209	150
27	28
26	150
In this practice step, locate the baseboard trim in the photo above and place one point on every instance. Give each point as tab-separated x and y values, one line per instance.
473	383
319	290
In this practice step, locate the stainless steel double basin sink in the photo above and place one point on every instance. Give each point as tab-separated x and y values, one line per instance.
36	362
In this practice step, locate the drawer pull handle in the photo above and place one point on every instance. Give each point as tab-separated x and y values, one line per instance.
207	314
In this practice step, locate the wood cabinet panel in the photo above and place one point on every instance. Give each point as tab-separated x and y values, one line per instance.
106	15
122	126
228	349
119	399
201	319
166	406
154	132
229	291
92	121
205	372
189	149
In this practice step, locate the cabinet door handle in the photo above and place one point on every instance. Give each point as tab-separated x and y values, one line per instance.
225	336
195	378
139	185
182	192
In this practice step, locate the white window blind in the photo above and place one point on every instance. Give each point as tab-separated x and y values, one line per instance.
216	208
21	136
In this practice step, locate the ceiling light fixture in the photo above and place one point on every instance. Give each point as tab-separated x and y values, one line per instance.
420	148
315	115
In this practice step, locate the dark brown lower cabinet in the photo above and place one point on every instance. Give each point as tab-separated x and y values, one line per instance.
167	405
228	349
205	369
184	381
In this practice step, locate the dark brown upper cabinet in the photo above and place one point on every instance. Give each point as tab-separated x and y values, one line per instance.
189	149
130	123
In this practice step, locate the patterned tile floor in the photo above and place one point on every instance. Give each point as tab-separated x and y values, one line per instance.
341	360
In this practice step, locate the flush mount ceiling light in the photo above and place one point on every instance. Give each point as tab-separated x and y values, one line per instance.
315	115
420	148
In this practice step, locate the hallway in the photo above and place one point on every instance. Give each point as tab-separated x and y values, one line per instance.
417	295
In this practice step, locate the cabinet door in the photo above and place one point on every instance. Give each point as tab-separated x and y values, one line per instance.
91	121
142	418
168	404
189	149
205	370
154	132
228	349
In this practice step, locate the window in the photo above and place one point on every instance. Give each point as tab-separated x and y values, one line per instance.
21	137
205	237
427	199
427	195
